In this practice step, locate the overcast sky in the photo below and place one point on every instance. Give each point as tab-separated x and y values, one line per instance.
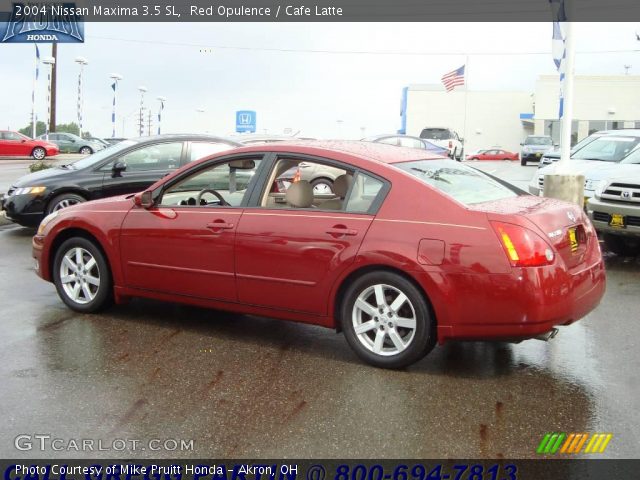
298	90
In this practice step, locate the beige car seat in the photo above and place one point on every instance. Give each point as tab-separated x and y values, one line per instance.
300	194
340	188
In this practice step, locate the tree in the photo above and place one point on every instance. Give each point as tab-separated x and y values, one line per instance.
64	127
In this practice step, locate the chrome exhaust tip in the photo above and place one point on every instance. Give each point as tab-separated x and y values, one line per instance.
545	337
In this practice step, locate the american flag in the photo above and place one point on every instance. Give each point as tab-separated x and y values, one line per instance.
452	79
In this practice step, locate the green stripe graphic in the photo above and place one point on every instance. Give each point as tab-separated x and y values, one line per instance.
543	443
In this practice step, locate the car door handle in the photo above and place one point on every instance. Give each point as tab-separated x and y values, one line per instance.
341	230
219	225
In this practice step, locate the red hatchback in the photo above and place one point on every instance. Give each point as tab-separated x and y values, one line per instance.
14	144
410	249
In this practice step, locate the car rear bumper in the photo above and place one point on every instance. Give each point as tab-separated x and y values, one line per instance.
523	304
600	214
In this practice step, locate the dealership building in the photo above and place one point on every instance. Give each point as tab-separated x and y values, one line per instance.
504	118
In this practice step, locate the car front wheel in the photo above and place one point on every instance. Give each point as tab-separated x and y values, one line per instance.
81	275
63	201
39	153
386	320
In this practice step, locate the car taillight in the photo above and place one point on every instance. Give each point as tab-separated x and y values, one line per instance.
450	144
524	248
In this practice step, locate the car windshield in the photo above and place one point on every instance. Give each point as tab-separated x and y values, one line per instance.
538	141
465	184
633	157
435	134
608	149
101	155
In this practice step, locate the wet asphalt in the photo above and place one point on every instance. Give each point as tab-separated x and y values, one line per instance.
242	386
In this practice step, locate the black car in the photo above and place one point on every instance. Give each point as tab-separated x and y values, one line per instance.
127	167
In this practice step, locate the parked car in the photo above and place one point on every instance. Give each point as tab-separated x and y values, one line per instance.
385	261
407	141
15	144
128	167
445	138
533	147
70	143
615	211
114	140
493	154
594	160
101	141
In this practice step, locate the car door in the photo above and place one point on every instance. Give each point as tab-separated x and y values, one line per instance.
185	243
10	144
65	142
289	257
142	167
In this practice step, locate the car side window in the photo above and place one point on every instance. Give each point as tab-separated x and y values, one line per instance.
300	183
163	156
364	192
204	149
389	141
220	185
11	136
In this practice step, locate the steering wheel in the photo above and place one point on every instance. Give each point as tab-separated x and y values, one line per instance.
223	202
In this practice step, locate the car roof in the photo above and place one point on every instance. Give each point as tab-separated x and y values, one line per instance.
388	135
377	152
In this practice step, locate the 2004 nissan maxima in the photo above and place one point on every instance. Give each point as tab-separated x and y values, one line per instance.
410	250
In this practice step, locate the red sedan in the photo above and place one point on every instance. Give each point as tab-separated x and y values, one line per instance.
409	250
495	154
14	144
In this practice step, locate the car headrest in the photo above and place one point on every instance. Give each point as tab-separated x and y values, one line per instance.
300	194
341	185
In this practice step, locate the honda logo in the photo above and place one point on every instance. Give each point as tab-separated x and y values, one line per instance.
244	119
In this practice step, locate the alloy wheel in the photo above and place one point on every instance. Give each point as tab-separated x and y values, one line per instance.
79	275
384	320
67	202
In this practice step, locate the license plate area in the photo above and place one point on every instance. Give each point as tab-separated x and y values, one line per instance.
573	240
617	220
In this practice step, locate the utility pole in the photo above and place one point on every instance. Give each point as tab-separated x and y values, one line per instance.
54	70
149	123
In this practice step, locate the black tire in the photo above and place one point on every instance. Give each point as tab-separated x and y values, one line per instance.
322	181
103	292
620	245
86	150
39	153
64	200
423	339
523	162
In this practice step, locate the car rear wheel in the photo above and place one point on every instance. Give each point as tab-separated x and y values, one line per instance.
386	320
86	150
322	186
39	153
63	201
621	246
81	276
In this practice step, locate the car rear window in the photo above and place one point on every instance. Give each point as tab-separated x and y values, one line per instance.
464	184
436	134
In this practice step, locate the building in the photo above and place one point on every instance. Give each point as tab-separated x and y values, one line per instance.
504	119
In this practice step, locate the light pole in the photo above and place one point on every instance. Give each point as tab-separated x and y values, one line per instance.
142	89
116	77
82	62
161	100
51	62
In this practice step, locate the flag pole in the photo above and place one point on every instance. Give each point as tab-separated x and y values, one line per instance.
567	94
466	103
33	93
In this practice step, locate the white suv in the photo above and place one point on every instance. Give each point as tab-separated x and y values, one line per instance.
445	138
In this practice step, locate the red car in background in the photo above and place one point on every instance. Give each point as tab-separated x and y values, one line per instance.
14	144
409	250
493	154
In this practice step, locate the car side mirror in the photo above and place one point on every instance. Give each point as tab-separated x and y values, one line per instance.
522	144
23	140
143	199
118	167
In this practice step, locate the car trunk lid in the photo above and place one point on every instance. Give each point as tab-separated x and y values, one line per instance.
563	225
